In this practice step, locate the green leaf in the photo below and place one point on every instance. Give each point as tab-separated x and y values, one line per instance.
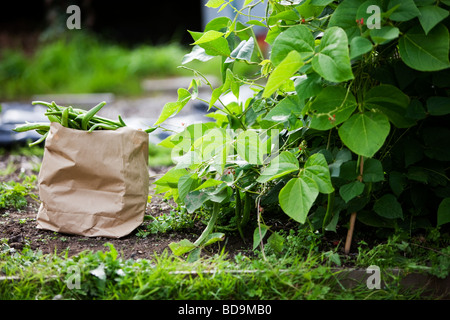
332	61
351	190
217	47
194	200
345	15
359	46
249	147
197	53
214	3
259	235
388	207
209	36
308	85
291	105
297	197
243	51
276	242
316	168
443	215
430	16
298	38
438	106
397	182
281	165
209	183
283	72
373	171
172	108
182	247
392	102
384	34
406	10
213	237
365	133
187	183
171	177
332	106
425	52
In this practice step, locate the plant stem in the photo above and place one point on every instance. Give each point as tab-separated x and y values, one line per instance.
348	241
210	226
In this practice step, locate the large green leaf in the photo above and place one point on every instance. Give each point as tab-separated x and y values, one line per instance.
392	102
430	16
425	52
388	207
404	10
283	72
345	15
332	106
332	61
298	38
297	197
365	133
316	168
281	165
373	171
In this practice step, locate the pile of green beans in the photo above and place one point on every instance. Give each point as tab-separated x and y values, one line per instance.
71	118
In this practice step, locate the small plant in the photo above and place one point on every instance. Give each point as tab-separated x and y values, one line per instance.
14	194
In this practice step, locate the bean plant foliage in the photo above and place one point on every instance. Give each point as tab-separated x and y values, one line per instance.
349	116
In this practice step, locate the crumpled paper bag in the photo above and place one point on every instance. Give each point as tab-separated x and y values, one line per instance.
93	183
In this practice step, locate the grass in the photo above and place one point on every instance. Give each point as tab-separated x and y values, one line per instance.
300	272
82	63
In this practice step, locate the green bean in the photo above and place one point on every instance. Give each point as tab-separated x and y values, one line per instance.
121	121
74	124
32	126
65	118
103	126
88	116
44	136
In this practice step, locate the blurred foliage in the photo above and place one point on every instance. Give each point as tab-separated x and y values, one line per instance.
83	63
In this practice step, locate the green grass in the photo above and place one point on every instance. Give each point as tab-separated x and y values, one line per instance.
300	272
82	63
159	156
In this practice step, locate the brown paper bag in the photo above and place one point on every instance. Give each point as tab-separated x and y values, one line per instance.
93	183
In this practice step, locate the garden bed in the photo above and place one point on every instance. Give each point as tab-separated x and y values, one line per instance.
18	226
18	230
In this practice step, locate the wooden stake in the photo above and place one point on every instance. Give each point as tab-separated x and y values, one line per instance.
348	241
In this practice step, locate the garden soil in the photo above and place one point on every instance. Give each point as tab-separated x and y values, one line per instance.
18	227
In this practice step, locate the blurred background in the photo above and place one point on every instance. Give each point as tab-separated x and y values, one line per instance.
127	53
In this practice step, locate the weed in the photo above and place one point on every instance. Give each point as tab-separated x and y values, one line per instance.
13	194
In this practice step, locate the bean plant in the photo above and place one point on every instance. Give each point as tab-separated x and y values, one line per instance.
348	121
